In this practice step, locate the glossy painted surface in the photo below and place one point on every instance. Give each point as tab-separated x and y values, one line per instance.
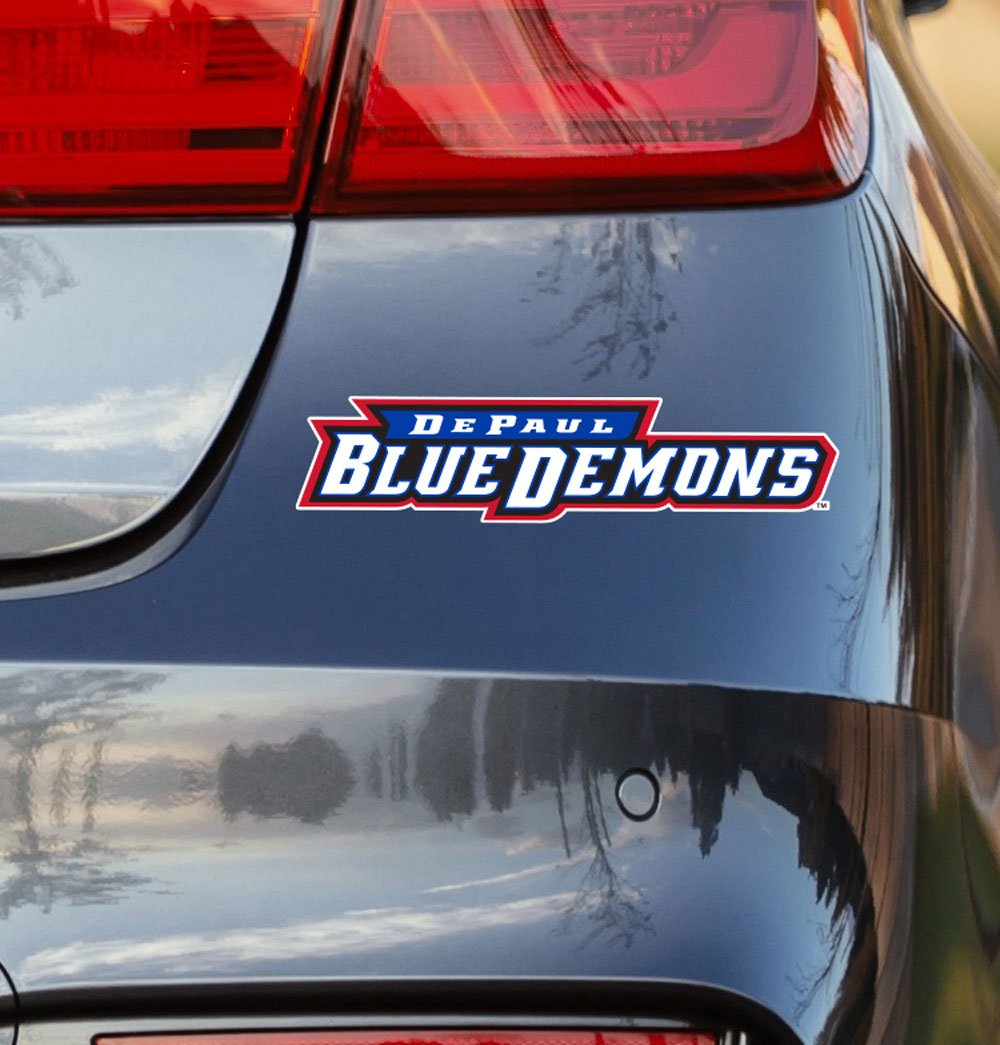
835	860
916	7
168	824
124	350
859	600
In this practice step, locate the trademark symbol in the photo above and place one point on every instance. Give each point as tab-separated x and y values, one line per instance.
821	506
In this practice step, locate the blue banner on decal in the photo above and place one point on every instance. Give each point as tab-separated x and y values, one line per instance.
541	424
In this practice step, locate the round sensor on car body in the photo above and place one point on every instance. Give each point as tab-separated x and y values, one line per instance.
638	794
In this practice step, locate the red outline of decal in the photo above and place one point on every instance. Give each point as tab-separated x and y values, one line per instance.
650	406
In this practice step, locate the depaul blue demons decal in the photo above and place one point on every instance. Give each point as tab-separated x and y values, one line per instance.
533	460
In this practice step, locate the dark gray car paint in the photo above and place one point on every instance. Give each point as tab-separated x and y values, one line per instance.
827	602
835	860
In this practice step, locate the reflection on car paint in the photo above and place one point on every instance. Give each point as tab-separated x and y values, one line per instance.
215	822
942	198
627	311
110	395
867	594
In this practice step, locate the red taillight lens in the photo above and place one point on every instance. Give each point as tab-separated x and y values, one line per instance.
159	105
212	106
407	1037
500	102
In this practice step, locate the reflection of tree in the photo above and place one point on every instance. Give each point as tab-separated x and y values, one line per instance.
62	783
43	708
446	751
523	742
827	847
871	268
502	754
616	277
399	787
573	736
373	772
615	908
27	261
308	778
928	398
388	773
92	784
531	737
852	594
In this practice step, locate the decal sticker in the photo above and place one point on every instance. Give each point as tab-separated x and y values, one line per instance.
533	460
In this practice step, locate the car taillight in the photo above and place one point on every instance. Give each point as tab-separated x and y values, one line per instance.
213	106
197	106
506	104
420	1037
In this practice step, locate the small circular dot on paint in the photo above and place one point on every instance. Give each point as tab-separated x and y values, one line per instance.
638	794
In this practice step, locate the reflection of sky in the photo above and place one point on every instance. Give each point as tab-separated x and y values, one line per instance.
250	909
211	893
122	365
167	417
278	897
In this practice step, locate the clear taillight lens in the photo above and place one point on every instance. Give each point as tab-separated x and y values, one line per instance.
500	103
197	106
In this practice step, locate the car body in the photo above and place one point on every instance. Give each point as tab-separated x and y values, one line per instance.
275	769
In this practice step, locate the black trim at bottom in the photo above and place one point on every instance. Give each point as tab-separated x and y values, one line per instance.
453	1001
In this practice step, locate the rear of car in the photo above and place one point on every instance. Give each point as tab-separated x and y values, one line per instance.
499	527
